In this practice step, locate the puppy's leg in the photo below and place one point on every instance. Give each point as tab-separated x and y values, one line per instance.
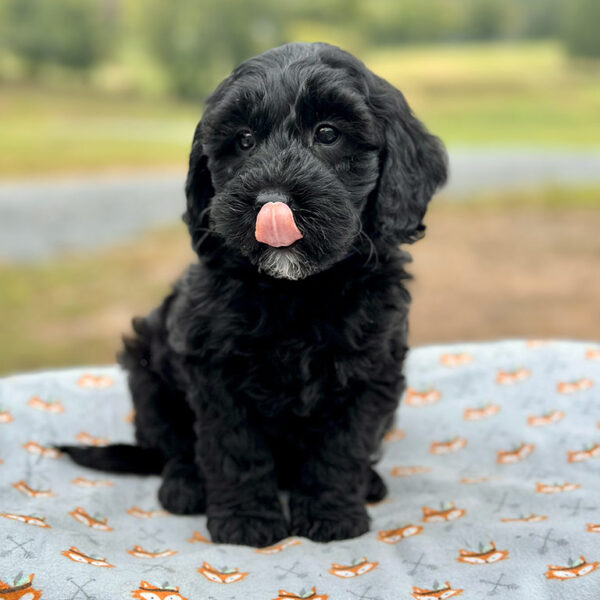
376	488
182	489
163	420
242	506
328	501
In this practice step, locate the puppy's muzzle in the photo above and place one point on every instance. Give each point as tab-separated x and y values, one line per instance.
275	224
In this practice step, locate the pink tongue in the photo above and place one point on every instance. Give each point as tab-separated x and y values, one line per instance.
275	225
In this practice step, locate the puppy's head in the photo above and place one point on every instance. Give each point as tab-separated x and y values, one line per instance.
303	157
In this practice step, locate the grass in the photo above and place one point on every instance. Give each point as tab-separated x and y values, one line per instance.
483	94
522	264
72	310
547	198
53	131
526	93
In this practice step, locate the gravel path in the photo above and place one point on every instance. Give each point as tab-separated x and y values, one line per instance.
42	218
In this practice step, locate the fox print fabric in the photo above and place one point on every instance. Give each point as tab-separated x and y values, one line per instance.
493	468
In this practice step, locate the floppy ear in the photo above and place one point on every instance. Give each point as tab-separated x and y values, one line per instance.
198	191
413	165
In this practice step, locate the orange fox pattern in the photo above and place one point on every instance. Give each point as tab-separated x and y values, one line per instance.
198	537
94	381
454	360
89	440
22	589
503	420
446	513
275	549
394	435
356	569
555	488
473	480
5	417
551	417
447	591
310	595
147	591
46	405
98	524
35	521
592	451
85	482
35	448
413	397
485	555
22	487
135	511
579	568
76	555
393	536
573	387
476	414
511	377
447	446
592	354
139	552
520	453
528	519
224	575
406	471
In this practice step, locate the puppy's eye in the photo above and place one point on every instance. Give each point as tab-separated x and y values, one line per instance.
326	134
245	140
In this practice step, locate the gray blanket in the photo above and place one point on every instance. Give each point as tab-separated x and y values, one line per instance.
493	472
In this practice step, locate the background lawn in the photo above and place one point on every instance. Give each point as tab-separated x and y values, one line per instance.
496	265
470	94
516	265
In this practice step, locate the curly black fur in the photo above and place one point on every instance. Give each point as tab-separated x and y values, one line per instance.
271	368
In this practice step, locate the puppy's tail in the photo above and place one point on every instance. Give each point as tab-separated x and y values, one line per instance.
117	458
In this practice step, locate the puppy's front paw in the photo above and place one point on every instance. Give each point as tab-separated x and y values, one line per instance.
182	492
249	531
324	523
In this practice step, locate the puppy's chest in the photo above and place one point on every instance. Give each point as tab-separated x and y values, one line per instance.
282	350
286	371
287	359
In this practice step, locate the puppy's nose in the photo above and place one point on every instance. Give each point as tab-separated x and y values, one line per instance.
271	196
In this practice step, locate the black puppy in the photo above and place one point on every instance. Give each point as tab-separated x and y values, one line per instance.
277	360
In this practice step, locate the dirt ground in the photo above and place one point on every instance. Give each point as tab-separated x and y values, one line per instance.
481	272
484	273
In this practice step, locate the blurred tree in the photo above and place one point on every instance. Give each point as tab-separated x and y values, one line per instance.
581	30
187	46
70	33
198	42
541	19
486	19
389	22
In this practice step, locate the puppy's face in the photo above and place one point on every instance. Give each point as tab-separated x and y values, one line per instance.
290	159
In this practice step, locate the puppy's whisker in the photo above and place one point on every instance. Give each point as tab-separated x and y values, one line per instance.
204	212
372	247
198	227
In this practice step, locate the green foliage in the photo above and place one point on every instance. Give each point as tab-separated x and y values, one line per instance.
486	19
197	42
391	22
186	46
69	33
581	30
